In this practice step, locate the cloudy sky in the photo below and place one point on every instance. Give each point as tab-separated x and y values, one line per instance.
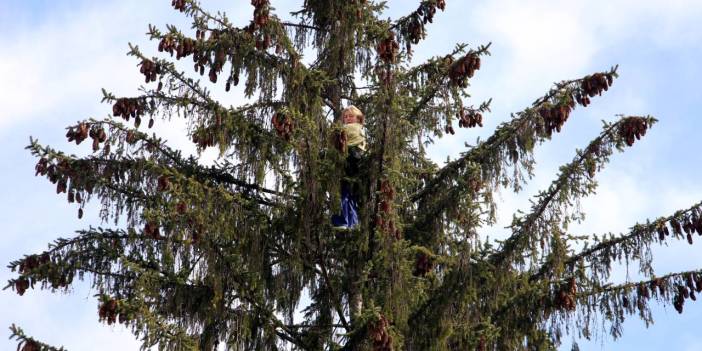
56	55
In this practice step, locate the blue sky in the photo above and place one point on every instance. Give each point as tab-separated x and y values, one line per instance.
56	55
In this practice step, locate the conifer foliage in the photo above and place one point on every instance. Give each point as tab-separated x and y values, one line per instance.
241	255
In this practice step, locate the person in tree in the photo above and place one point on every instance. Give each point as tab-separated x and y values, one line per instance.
354	140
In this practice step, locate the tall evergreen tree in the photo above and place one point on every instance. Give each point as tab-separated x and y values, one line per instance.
242	254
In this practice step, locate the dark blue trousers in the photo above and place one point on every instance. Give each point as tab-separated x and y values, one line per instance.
349	208
349	191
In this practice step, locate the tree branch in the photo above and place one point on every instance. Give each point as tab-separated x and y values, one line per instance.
644	233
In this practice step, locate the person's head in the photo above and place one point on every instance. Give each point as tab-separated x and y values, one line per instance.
351	114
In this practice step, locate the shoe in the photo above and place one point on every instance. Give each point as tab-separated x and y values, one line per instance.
341	228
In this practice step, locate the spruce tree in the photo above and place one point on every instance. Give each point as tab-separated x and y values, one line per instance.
241	254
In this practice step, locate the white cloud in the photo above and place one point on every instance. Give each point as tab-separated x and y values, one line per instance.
542	41
66	60
70	320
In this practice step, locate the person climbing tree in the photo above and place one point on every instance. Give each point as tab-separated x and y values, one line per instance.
353	143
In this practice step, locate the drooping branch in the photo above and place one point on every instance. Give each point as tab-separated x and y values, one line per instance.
263	22
412	27
634	298
196	101
28	343
574	303
452	76
122	267
575	181
116	255
517	137
461	191
633	245
116	179
586	288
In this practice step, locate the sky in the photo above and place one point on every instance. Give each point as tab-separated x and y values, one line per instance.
56	55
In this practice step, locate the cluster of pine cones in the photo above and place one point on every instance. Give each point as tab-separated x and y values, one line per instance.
464	68
234	78
264	42
384	220
74	196
427	10
184	47
150	70
388	48
78	133
163	183
59	174
220	57
387	194
201	59
151	230
112	310
82	131
340	139
643	291
178	5
28	345
33	261
98	135
204	138
469	119
55	173
129	107
565	297
693	283
423	15
658	285
181	47
42	167
423	264
382	340
283	125
21	285
688	225
466	119
260	19
556	115
51	275
596	83
260	12
593	85
415	30
633	128
688	289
